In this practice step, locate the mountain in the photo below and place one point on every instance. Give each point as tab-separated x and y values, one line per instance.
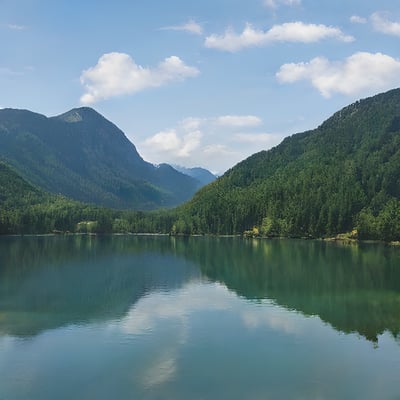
343	175
82	155
204	176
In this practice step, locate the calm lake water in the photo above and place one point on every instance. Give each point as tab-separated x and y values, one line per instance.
128	317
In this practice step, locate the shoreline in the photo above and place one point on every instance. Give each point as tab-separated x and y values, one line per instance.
335	239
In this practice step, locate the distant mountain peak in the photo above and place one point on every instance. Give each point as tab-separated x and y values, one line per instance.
79	114
72	116
201	174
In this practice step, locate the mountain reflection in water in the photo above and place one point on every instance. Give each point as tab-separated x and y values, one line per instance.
49	282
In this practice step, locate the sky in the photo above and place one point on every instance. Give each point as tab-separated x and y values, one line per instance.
198	83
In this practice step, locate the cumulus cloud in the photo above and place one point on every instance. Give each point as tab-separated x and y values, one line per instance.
117	74
295	32
276	3
174	145
381	23
191	26
165	140
185	140
356	19
171	141
305	33
216	143
361	73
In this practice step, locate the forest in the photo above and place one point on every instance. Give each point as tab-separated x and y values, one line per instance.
343	177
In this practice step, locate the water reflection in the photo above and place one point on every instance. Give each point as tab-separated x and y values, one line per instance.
47	282
353	288
196	318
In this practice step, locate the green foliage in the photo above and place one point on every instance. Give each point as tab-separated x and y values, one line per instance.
343	175
385	225
25	209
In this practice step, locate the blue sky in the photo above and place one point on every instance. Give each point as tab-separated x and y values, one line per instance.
198	83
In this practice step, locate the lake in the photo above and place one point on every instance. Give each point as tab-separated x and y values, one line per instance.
130	317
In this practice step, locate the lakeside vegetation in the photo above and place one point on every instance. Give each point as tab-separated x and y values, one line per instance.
26	209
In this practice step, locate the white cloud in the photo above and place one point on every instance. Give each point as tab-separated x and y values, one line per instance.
218	150
172	142
117	74
381	23
295	32
191	26
356	19
239	121
305	33
191	124
190	143
231	41
276	3
165	140
361	73
185	141
216	143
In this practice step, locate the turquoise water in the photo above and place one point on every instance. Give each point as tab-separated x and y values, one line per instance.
128	317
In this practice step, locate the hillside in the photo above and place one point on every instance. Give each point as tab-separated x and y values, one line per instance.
343	175
17	196
82	155
15	192
25	208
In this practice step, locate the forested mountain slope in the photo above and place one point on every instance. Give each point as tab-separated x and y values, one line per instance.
17	197
25	208
82	155
343	175
15	192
